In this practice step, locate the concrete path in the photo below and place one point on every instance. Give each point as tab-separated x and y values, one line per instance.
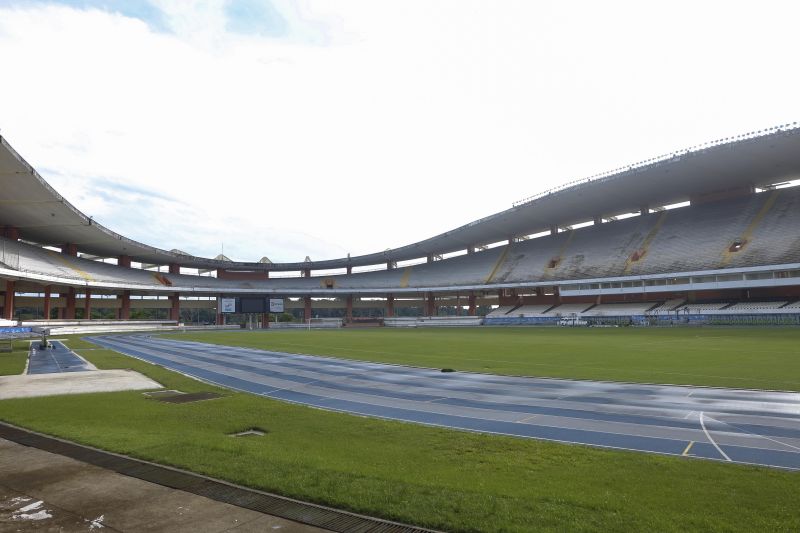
754	427
41	491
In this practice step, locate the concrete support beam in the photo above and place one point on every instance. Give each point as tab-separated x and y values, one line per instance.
597	219
87	305
349	308
390	305
220	316
69	311
70	249
265	320
429	258
125	305
430	304
307	273
175	307
472	307
553	229
644	210
307	307
8	303
349	270
124	261
47	303
174	268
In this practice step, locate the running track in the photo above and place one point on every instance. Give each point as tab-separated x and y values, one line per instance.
755	427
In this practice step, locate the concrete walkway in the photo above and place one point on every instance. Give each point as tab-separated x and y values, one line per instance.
41	491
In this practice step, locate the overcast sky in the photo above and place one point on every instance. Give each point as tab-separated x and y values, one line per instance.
320	128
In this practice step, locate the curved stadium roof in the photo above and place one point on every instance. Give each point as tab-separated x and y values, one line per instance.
755	159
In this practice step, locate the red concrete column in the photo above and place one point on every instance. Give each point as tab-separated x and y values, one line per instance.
430	304
69	312
124	261
349	310
70	249
125	305
8	306
219	313
47	303
175	310
174	268
390	305
87	305
265	320
472	306
307	273
307	308
10	232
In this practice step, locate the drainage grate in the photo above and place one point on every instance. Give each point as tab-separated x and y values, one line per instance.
307	513
188	397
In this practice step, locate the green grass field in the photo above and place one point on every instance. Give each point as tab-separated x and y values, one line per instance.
12	363
755	358
438	478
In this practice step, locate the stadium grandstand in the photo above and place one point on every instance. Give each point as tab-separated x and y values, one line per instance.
709	234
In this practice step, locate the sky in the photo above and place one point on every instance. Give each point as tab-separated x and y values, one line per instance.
317	128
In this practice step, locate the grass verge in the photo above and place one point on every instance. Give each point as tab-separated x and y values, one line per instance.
13	363
438	478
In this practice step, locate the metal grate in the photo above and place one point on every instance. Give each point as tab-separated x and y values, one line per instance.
299	511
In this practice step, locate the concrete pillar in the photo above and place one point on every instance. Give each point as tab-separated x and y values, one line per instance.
553	229
8	306
87	305
349	270
174	268
390	305
124	261
10	232
430	258
175	310
307	273
265	320
644	210
220	317
70	249
470	250
125	305
307	308
349	309
47	302
69	312
597	220
472	307
430	304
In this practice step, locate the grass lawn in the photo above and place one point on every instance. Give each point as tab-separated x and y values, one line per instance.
434	477
755	358
12	363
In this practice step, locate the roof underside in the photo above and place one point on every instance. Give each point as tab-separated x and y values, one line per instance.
43	216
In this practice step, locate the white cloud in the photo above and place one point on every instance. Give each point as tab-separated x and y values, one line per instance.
410	118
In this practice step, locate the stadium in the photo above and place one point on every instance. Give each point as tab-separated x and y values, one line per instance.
580	340
705	234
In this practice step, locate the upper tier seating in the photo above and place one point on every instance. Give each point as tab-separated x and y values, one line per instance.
693	238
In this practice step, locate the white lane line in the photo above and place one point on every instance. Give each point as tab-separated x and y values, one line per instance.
708	436
688	415
756	434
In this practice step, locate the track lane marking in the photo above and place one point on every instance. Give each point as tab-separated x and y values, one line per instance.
756	434
688	447
712	441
